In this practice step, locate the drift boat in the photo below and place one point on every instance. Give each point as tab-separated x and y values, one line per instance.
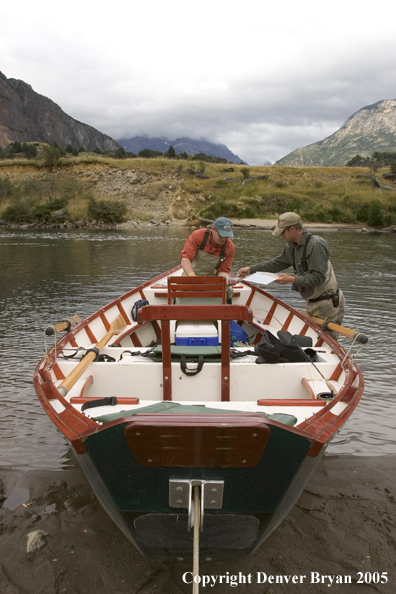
188	441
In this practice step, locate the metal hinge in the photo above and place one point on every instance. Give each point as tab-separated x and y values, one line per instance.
180	496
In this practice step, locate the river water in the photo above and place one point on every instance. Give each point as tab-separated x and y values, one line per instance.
47	276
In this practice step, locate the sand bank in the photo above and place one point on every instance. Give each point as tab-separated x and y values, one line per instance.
342	527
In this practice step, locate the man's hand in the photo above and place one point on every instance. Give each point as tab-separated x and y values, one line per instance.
243	271
232	280
284	279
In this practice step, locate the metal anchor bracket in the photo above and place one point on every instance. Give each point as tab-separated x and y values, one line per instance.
181	496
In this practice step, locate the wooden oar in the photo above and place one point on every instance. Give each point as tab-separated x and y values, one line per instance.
359	336
115	328
65	325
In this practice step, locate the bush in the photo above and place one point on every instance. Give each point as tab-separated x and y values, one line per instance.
43	211
375	215
52	155
6	188
16	213
106	210
149	154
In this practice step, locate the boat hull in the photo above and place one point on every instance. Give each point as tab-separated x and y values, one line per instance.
259	431
255	499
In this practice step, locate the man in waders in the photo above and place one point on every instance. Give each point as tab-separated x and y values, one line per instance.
210	252
313	275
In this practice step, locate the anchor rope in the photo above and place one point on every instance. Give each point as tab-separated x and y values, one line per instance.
197	526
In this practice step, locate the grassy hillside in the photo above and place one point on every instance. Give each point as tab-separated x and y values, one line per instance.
95	188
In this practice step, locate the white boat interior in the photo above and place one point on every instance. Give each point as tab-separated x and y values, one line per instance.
300	389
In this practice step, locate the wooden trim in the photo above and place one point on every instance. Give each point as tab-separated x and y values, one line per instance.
270	314
120	400
305	384
90	334
291	402
225	360
58	372
123	313
288	321
166	360
105	322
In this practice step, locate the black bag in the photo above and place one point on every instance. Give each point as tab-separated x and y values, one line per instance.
272	350
136	306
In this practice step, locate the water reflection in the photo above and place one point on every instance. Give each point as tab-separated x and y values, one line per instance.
48	276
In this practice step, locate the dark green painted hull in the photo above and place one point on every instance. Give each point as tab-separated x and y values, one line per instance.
255	499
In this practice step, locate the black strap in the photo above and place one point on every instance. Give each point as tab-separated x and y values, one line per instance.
105	358
93	350
186	371
324	297
223	247
148	353
236	354
109	401
77	350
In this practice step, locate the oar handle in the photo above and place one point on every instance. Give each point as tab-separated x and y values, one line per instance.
50	330
64	325
77	372
352	334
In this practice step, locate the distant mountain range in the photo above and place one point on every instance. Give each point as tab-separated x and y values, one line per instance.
181	145
26	116
372	128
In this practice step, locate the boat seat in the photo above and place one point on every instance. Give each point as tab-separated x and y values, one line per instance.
196	289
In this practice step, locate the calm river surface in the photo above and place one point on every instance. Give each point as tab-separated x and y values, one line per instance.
47	276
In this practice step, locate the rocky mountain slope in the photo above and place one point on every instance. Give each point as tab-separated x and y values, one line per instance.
26	116
372	128
181	145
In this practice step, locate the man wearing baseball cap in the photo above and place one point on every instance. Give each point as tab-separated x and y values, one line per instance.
210	252
313	275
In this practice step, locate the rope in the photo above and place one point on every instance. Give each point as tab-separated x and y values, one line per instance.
197	524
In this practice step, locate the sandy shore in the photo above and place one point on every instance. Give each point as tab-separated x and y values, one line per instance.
268	224
343	527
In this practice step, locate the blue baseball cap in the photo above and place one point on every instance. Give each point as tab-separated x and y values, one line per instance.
223	227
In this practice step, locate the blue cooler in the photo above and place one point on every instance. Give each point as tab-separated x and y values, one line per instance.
196	333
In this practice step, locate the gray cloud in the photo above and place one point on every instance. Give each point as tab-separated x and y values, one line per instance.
262	80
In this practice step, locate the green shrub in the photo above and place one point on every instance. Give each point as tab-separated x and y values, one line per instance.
17	213
43	211
6	188
375	215
106	210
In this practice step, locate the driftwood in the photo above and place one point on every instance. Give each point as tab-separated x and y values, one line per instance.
265	176
376	184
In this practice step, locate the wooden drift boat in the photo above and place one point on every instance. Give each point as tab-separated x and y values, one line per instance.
165	416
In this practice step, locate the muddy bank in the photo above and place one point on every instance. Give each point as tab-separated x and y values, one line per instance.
342	527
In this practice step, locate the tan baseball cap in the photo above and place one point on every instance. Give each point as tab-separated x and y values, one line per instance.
287	219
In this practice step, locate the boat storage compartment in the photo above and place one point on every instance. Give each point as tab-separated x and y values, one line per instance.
196	333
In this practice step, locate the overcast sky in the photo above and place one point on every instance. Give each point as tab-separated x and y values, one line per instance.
262	78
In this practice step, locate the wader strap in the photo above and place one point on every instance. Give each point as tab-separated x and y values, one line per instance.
223	247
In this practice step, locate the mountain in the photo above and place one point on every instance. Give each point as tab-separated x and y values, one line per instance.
26	116
372	128
181	145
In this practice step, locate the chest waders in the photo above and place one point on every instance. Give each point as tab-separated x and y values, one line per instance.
205	264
